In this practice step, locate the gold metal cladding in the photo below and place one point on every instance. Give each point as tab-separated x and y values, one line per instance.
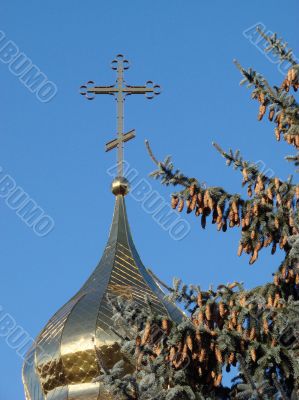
120	90
63	362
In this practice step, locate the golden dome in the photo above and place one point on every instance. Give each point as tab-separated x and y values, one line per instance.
63	361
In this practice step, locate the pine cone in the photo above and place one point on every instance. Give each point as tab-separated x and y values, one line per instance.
265	326
253	258
208	312
218	380
202	355
199	299
192	190
252	334
253	355
218	355
231	358
172	353
189	343
271	115
166	326
249	191
262	111
174	202
277	134
245	174
277	183
181	205
193	202
240	249
222	310
270	302
200	317
146	334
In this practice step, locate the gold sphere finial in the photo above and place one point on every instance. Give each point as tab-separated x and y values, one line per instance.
120	185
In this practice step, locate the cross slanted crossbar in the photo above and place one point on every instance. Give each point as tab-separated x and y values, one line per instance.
120	90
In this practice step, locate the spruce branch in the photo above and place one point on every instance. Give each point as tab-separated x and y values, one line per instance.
279	387
278	47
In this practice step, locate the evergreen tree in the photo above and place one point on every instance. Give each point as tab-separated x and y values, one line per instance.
255	330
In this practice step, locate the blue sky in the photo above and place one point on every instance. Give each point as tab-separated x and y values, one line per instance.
54	150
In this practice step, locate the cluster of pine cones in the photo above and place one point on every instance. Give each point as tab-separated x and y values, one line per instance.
271	196
200	348
286	125
292	79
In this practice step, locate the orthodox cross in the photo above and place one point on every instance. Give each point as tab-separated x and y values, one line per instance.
120	90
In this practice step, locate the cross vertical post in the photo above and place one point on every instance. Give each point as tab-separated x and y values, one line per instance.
120	118
120	91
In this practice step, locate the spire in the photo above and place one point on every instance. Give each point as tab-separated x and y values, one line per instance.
64	360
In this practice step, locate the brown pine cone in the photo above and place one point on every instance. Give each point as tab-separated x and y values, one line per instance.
249	191
192	190
217	381
199	200
188	203
277	183
252	334
253	258
240	249
269	194
193	202
277	134
138	341
218	355
262	111
222	310
146	334
181	205
185	352
271	115
253	355
208	312
189	342
166	326
270	302
202	355
265	326
200	317
284	272
231	358
174	201
256	209
245	174
199	299
172	353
